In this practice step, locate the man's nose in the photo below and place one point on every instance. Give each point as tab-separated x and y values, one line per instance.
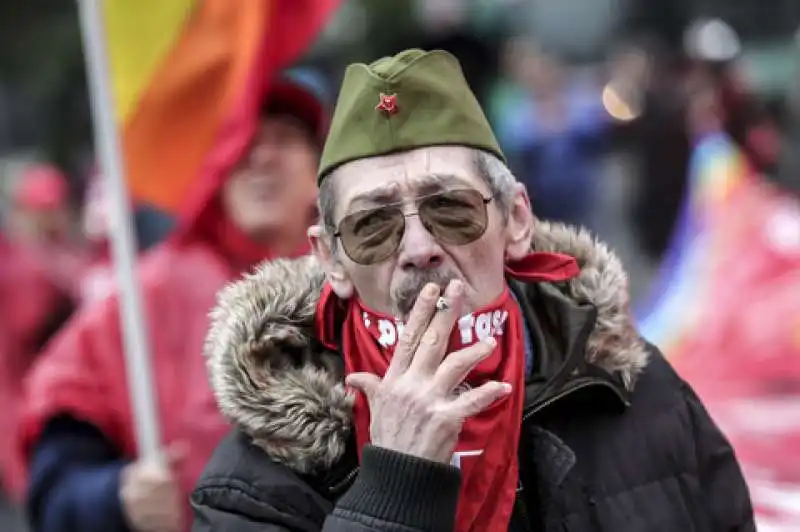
263	153
419	249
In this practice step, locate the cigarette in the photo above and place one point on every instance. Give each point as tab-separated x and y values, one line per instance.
442	304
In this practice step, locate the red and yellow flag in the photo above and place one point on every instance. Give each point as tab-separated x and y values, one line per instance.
182	70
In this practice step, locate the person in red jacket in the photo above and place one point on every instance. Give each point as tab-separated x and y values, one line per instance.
38	265
78	429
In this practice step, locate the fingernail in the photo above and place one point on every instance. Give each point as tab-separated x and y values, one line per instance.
431	290
507	388
457	287
490	341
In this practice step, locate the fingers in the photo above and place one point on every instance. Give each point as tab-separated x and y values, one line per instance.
479	399
457	365
433	343
366	383
150	495
418	321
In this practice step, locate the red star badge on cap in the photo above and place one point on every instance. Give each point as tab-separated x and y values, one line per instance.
387	104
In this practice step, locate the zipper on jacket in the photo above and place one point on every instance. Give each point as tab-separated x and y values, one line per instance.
569	390
536	408
521	509
344	483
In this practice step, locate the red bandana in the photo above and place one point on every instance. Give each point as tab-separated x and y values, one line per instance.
487	448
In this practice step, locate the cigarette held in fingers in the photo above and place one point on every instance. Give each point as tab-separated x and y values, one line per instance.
442	304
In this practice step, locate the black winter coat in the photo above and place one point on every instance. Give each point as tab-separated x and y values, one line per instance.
612	439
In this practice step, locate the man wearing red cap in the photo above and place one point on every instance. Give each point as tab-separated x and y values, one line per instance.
253	202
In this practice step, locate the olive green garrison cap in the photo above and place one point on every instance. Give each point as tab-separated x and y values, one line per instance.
411	100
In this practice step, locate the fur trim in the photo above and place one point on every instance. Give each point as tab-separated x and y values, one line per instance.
269	376
282	388
615	344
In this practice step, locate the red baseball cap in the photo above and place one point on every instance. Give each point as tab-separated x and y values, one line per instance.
301	93
41	187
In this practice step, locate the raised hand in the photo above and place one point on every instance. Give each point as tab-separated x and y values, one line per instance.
150	496
413	409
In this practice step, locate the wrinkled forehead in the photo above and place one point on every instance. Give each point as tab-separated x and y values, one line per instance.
369	182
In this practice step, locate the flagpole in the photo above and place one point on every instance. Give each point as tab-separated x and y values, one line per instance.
107	142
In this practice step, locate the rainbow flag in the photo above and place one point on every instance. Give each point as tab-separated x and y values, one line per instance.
682	291
188	75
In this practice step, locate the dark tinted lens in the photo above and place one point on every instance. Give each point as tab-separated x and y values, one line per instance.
372	236
456	217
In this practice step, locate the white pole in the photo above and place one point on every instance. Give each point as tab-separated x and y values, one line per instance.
137	358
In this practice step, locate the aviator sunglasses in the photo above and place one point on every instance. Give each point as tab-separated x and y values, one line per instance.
453	217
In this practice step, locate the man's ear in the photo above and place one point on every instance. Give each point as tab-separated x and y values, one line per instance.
334	269
519	228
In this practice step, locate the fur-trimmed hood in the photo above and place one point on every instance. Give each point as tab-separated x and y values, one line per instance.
281	387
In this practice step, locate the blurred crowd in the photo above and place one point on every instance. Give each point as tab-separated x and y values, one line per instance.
605	143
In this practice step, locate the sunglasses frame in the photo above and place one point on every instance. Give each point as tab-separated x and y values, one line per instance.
486	201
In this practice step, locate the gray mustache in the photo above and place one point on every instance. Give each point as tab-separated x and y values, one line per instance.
405	295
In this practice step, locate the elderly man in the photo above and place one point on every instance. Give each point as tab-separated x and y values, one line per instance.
502	385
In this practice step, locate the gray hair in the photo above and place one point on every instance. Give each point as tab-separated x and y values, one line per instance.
498	177
492	170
